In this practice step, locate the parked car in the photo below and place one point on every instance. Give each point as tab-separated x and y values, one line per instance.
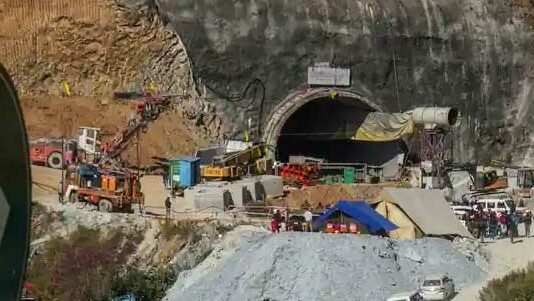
437	288
407	296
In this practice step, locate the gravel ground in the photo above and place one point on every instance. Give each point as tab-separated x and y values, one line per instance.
504	257
314	266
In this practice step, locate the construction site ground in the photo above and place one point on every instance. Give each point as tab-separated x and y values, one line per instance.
46	184
503	256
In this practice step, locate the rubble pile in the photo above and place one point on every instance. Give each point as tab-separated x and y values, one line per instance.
314	266
472	249
329	194
69	217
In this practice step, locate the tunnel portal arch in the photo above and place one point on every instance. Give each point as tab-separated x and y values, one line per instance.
282	113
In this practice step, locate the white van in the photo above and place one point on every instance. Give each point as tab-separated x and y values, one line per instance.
408	296
497	205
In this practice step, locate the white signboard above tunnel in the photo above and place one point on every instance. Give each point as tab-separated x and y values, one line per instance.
328	76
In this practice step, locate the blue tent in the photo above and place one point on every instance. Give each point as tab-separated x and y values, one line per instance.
362	212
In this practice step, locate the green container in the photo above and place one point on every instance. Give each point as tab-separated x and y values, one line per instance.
349	175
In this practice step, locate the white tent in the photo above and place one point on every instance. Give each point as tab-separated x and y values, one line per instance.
427	210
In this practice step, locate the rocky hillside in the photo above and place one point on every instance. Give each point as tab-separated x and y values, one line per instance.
471	54
91	48
475	55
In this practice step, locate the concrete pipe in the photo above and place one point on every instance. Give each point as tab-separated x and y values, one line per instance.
436	116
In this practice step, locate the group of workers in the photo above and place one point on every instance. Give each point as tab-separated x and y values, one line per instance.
498	224
282	222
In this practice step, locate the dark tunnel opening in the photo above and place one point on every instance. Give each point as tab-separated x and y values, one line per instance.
323	128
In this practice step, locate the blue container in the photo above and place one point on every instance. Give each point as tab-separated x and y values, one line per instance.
184	171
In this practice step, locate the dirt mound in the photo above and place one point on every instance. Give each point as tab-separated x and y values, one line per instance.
170	135
330	194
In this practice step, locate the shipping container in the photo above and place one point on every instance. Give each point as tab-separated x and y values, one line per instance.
184	171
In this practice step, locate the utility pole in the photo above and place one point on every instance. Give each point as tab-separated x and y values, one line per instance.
61	200
63	151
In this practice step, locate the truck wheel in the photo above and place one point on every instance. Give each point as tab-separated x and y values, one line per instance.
73	197
55	160
105	206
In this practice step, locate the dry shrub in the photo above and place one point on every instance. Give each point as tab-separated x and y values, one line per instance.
80	267
42	220
183	228
515	286
145	285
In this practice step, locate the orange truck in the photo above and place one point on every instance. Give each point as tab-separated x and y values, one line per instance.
109	189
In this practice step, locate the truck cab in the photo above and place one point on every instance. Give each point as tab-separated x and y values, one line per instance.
89	141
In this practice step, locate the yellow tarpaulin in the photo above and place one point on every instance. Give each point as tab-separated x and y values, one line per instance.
385	127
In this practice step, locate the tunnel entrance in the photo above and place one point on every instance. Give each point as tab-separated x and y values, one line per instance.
323	127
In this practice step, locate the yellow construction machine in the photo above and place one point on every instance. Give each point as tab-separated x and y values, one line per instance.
231	166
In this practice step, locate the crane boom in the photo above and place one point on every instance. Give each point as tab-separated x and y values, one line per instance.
146	110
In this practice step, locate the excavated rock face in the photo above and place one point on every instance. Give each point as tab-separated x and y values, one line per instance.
93	45
471	54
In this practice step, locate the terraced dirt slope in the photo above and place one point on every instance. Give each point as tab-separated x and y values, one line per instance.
94	45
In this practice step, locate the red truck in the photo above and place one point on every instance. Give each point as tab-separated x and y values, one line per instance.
57	153
49	153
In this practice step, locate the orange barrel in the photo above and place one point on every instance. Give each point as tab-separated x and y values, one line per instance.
343	228
330	228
